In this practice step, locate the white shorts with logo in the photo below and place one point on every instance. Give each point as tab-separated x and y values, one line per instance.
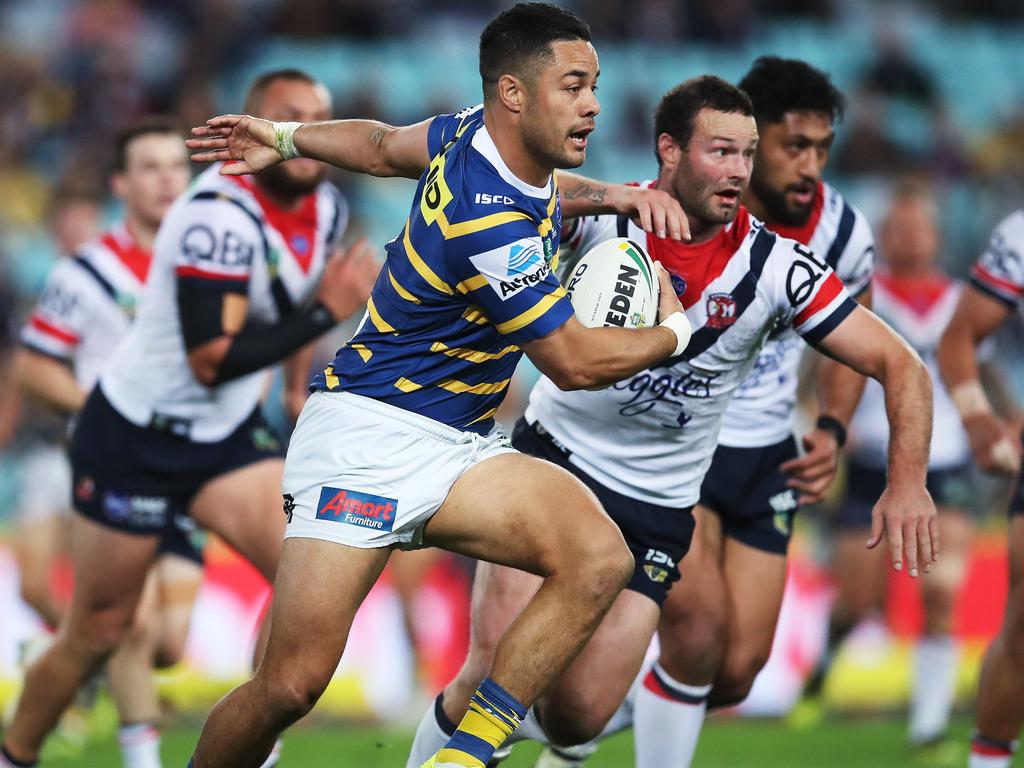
366	474
44	485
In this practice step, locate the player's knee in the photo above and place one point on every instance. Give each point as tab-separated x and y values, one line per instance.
604	563
737	679
169	651
290	696
567	725
100	633
693	643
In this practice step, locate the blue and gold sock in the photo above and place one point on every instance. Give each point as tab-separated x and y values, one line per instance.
492	717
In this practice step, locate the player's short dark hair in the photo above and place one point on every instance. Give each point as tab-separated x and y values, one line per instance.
677	111
522	35
144	126
777	86
254	96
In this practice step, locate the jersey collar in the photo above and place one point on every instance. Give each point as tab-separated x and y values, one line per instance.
484	144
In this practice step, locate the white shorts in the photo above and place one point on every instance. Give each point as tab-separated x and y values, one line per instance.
44	488
366	474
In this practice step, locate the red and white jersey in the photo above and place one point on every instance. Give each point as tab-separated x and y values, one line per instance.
762	411
222	229
919	310
651	437
999	271
88	304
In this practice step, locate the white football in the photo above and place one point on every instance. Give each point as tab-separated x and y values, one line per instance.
615	284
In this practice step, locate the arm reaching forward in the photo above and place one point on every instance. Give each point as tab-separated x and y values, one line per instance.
905	512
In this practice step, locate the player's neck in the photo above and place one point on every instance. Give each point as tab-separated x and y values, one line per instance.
517	158
142	233
700	232
756	206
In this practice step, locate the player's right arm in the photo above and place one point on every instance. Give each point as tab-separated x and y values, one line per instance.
213	259
250	145
995	290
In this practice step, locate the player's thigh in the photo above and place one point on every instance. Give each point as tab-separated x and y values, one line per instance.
37	543
956	532
319	587
525	513
697	602
410	568
178	580
1013	625
756	581
595	684
110	570
243	507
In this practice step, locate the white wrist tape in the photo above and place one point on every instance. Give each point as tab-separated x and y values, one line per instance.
970	399
680	326
1005	456
284	135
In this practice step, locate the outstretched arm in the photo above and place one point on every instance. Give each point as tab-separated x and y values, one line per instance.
905	511
653	210
995	446
251	144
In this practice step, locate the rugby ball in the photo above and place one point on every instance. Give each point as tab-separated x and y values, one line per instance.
615	284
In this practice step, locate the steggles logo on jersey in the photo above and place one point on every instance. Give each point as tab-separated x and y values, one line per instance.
514	267
721	309
365	510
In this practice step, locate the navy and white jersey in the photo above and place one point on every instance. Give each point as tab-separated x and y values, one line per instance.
919	310
999	270
762	411
223	229
88	304
469	279
652	436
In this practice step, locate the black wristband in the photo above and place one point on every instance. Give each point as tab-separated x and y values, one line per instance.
834	426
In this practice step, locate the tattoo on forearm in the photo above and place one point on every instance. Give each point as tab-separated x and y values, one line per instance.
585	192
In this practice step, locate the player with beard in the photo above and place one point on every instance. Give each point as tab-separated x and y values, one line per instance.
644	444
174	427
995	292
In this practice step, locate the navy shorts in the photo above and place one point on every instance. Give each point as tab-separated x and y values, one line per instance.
141	480
950	487
657	536
748	492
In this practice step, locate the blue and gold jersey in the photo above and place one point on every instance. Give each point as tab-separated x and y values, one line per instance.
469	279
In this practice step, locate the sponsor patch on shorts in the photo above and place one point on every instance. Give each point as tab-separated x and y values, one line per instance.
365	510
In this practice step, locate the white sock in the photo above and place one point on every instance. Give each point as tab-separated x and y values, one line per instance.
529	730
140	745
933	688
274	756
667	719
990	753
432	734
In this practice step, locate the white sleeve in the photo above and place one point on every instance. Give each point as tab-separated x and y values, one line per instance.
584	233
805	292
856	264
61	317
999	271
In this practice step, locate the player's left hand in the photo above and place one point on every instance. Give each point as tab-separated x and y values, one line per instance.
906	514
245	144
653	211
813	473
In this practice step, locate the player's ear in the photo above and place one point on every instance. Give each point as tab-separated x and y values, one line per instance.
668	150
510	92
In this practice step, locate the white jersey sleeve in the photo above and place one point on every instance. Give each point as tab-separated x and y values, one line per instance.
806	292
999	271
62	315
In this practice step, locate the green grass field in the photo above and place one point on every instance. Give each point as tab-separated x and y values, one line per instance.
727	743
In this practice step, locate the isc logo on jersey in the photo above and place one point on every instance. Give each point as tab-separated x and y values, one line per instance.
614	284
513	267
341	505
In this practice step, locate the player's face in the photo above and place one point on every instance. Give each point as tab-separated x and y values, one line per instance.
790	161
560	104
711	173
294	100
910	239
156	171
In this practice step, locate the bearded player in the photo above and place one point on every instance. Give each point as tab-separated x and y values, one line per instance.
996	290
643	445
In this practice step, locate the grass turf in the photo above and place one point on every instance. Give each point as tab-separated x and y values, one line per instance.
726	743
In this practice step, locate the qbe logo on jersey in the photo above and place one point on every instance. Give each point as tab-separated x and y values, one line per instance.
513	267
341	505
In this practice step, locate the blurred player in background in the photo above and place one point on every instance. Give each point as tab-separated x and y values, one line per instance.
174	426
718	624
917	299
85	310
996	290
398	446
